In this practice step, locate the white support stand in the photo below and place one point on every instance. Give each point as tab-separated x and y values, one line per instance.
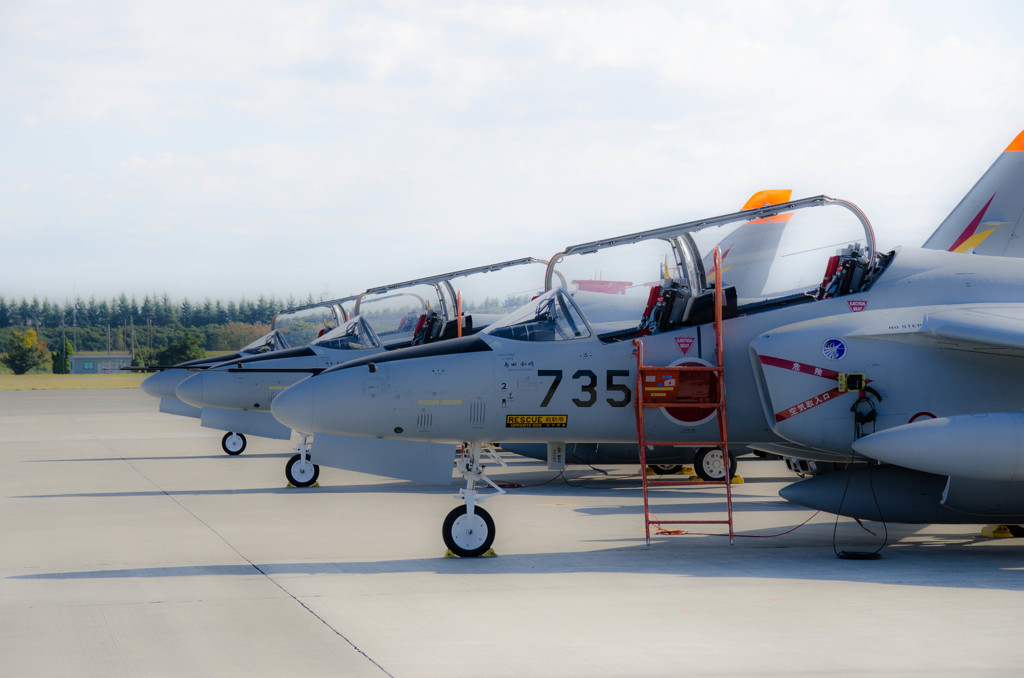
492	452
304	446
473	471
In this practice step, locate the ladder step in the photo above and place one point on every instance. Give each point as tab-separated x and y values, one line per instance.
677	443
669	483
689	522
648	404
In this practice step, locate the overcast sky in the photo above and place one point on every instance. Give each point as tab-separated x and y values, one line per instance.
230	149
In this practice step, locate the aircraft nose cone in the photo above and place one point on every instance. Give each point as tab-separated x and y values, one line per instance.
191	390
162	384
293	407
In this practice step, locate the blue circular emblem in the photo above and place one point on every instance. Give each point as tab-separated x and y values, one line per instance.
834	349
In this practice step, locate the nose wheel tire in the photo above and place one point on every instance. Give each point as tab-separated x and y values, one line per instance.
301	472
233	443
666	469
468	536
709	464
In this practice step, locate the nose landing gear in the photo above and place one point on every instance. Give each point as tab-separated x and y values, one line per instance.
468	530
300	469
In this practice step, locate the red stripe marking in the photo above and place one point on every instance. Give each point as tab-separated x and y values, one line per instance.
973	226
802	368
810	370
808	404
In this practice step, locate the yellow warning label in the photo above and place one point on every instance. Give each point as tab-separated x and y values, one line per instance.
536	420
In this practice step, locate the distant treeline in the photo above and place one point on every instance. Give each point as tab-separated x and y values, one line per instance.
157	322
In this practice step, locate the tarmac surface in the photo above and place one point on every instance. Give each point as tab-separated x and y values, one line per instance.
132	546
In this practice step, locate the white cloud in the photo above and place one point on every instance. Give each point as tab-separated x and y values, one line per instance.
297	144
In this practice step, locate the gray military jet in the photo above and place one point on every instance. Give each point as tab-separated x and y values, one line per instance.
410	313
816	364
291	327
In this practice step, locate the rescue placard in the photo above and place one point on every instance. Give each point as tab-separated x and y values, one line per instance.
536	420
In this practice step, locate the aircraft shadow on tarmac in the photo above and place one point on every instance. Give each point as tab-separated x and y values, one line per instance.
251	455
325	489
987	568
581	484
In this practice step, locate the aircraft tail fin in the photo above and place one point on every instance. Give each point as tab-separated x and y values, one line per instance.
989	217
747	252
768	197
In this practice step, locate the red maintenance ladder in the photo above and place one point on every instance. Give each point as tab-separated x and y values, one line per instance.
690	386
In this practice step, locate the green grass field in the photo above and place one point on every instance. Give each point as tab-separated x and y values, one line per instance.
55	382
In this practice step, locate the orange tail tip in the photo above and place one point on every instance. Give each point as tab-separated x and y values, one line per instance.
775	196
1015	145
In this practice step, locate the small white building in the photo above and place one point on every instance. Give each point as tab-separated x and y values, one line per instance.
99	363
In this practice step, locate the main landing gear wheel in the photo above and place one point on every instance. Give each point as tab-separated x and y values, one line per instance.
233	443
301	472
666	469
468	536
710	464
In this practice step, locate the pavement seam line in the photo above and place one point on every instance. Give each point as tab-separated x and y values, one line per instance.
251	564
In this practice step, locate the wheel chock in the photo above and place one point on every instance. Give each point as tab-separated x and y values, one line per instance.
451	554
316	484
684	471
996	531
736	480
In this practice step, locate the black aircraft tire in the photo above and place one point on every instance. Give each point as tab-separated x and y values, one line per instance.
709	464
666	469
468	537
233	443
295	474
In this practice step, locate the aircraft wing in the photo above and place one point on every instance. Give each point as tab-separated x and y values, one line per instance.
979	327
986	328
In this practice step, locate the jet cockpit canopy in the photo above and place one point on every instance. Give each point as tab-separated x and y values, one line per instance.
353	335
271	341
426	309
662	278
553	316
301	325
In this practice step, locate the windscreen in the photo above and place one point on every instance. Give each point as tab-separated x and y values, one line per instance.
271	341
553	316
301	326
353	335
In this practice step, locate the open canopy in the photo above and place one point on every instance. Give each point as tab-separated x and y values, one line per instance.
662	278
353	335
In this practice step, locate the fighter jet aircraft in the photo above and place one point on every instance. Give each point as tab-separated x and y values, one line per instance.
987	220
291	327
410	313
884	340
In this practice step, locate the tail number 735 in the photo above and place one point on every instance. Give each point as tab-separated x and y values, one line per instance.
615	385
